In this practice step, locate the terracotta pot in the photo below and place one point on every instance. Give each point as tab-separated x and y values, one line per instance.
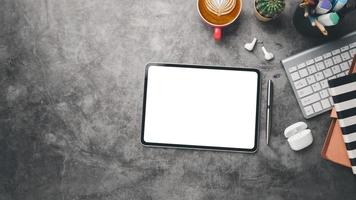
259	16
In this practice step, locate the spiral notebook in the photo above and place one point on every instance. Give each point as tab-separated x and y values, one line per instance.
343	91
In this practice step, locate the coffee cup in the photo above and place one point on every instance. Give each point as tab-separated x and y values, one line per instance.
216	20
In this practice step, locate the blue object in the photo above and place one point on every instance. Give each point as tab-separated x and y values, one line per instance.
338	4
312	20
323	7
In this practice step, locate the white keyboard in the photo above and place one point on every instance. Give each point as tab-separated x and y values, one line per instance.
309	72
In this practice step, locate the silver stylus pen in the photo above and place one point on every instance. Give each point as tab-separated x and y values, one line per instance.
269	109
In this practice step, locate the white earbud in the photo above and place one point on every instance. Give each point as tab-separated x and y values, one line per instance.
251	46
268	55
298	136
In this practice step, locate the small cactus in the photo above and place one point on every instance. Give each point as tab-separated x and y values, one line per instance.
269	8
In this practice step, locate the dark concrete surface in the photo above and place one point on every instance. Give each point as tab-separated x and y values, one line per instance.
71	85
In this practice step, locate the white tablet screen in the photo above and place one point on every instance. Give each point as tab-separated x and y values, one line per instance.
201	107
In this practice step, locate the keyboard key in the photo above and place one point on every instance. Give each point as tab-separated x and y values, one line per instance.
308	110
311	69
327	73
352	52
337	59
305	91
310	99
320	66
336	69
325	103
335	52
295	76
317	107
328	62
319	76
310	62
345	56
352	45
318	59
324	94
316	87
344	66
327	55
301	65
345	48
340	75
293	69
324	83
350	62
300	84
311	79
331	100
333	77
303	73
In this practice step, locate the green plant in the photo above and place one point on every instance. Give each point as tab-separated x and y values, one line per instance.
269	8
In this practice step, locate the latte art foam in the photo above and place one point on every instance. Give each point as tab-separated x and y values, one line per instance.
220	7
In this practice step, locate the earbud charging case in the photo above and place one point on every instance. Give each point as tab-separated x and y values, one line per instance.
299	137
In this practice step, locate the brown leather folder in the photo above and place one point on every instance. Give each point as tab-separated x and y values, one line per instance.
334	148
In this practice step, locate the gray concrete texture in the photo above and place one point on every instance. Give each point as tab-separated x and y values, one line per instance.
71	87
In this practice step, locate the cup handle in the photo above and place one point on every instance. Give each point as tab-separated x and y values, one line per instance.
217	33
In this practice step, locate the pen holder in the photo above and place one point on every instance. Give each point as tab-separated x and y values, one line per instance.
303	25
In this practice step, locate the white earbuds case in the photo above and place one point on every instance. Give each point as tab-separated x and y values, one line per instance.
298	136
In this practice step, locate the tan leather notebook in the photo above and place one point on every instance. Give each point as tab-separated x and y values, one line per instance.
334	148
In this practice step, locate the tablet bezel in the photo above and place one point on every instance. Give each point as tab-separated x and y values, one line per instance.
199	147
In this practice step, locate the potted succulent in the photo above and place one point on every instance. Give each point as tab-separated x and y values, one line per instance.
266	10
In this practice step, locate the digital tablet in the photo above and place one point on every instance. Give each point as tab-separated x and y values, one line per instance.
201	107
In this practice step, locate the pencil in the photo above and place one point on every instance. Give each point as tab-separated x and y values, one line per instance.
303	4
306	11
321	28
312	20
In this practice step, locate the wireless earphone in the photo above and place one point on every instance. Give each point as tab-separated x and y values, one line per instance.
251	46
268	55
298	136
